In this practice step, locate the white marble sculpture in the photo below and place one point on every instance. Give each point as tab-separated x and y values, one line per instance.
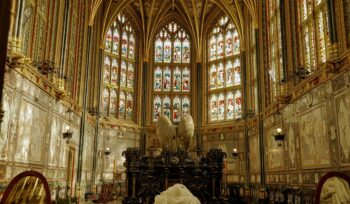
335	191
172	137
176	194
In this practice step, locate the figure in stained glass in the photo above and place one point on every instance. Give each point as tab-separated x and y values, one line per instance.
236	43
213	108
167	50
131	47
213	77
156	108
177	79
229	46
185	105
221	107
113	102
108	41
167	79
185	51
130	75
220	81
238	105
105	100
220	46
177	51
158	79
230	106
121	104
115	47
123	74
176	109
237	72
229	74
213	48
107	68
124	44
185	79
158	54
114	76
129	102
166	106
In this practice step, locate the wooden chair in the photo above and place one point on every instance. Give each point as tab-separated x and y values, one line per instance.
27	187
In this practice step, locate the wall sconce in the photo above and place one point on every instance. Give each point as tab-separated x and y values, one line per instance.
107	151
279	137
235	153
68	134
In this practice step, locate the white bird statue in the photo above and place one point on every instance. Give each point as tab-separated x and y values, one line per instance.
166	133
185	132
167	136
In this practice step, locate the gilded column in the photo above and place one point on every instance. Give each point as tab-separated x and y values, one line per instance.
145	67
83	117
199	105
97	116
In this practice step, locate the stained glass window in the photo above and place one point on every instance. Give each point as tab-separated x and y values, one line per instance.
313	23
157	107
115	48
113	102
172	73
275	52
119	69
105	100
224	71
158	79
177	79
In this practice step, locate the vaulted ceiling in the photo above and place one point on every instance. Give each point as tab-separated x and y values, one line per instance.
195	14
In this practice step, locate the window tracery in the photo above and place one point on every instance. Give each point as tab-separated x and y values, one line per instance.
224	72
119	69
171	76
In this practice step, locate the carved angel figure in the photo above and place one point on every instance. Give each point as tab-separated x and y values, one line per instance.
172	137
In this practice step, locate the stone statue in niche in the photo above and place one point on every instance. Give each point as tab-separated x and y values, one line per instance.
335	191
172	137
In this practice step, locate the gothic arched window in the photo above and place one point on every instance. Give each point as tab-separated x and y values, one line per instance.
314	34
224	72
171	75
275	50
119	69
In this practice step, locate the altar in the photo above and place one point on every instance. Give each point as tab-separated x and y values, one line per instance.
148	176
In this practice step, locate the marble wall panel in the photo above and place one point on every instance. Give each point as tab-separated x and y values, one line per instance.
55	141
314	138
254	154
5	125
292	132
32	130
88	152
343	125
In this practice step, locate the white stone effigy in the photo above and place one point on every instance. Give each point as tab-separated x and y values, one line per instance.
176	194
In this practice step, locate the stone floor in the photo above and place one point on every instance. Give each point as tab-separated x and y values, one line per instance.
117	201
